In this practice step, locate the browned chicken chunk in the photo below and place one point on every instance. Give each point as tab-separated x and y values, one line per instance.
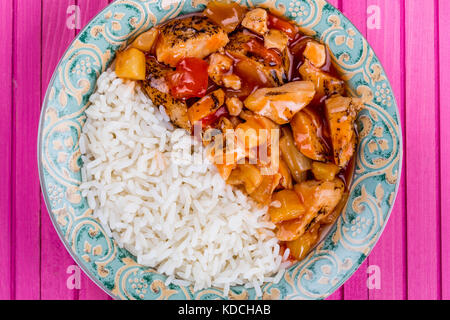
156	88
193	37
276	75
341	114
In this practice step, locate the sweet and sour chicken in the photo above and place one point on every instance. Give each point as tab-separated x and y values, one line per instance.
288	125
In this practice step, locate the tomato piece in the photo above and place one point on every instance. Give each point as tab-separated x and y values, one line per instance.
269	55
189	80
275	22
213	118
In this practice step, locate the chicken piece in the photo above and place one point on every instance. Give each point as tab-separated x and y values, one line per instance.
157	89
274	74
194	37
341	115
219	65
234	106
325	84
232	81
219	71
282	103
305	128
316	53
256	21
319	199
276	39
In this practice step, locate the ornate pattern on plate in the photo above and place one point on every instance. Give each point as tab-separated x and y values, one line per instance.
349	241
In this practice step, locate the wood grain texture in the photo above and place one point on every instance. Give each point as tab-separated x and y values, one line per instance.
6	39
25	180
355	288
444	113
421	152
390	252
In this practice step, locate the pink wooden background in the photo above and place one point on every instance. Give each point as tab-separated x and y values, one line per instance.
411	260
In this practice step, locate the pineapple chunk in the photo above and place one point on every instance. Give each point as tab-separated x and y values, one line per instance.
146	40
130	64
325	171
290	206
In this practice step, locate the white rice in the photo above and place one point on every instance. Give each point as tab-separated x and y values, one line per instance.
164	202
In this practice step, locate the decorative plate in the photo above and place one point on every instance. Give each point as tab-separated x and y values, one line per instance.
329	265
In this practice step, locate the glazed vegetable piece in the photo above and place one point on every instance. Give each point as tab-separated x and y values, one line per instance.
286	177
280	104
227	15
324	171
305	127
341	114
130	64
276	39
278	23
263	193
325	84
193	36
286	205
247	175
298	164
256	21
155	85
189	80
300	248
206	106
316	53
146	40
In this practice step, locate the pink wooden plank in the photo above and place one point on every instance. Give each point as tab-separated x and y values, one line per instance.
6	39
389	254
444	54
355	288
55	258
88	9
338	294
421	152
25	180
